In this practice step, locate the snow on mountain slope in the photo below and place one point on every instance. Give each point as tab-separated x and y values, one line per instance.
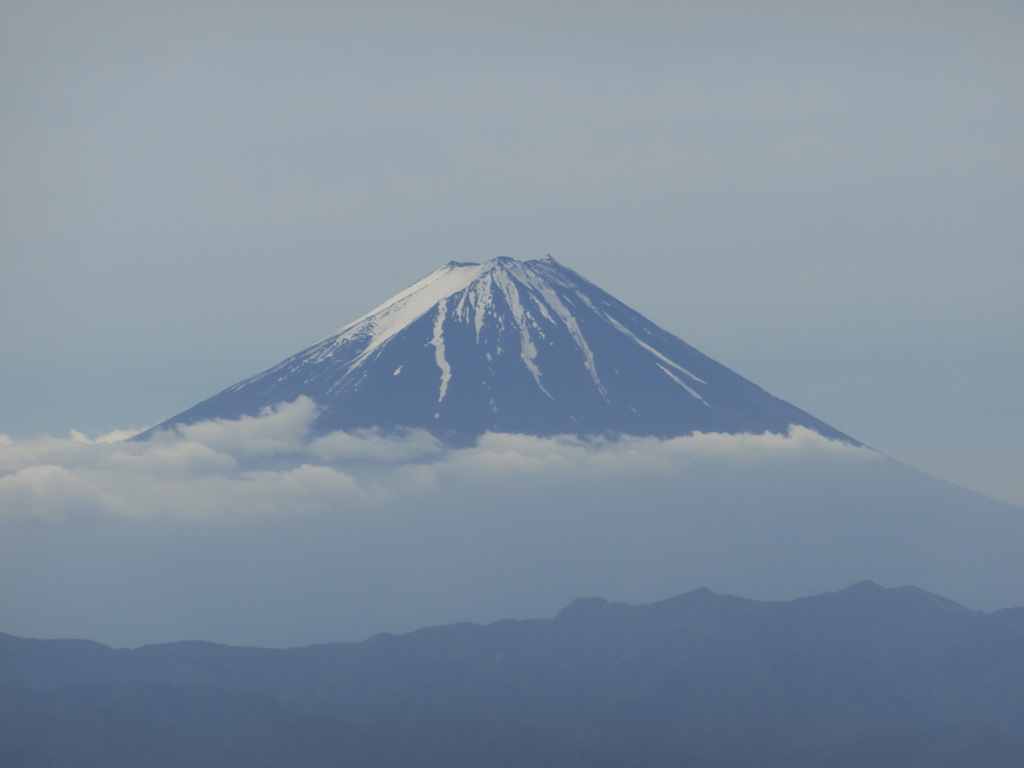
509	346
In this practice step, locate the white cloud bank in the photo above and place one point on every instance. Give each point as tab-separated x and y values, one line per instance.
271	465
254	531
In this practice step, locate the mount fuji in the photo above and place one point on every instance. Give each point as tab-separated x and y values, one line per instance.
527	347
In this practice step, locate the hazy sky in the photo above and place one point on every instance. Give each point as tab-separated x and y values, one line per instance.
827	197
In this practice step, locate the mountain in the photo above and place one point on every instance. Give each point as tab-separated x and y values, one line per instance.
507	346
863	676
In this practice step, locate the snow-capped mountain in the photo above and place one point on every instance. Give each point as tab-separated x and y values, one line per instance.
509	346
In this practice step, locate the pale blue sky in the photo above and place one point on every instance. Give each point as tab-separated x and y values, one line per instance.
825	196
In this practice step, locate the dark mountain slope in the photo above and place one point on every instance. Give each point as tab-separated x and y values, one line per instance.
890	676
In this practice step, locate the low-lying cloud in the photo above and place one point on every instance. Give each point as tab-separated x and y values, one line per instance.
258	531
273	465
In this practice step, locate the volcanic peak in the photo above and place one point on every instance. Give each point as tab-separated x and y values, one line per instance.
510	346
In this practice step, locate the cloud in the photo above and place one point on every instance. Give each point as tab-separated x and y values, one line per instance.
255	531
278	430
202	472
272	464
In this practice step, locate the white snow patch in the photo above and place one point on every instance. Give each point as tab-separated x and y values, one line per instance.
480	300
569	321
681	383
541	285
523	321
390	318
438	342
622	329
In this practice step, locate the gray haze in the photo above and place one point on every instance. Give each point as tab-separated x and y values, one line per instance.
824	196
252	532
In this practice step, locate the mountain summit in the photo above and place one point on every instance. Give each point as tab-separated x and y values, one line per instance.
509	346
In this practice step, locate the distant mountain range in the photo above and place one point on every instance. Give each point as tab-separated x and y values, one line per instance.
886	678
525	347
